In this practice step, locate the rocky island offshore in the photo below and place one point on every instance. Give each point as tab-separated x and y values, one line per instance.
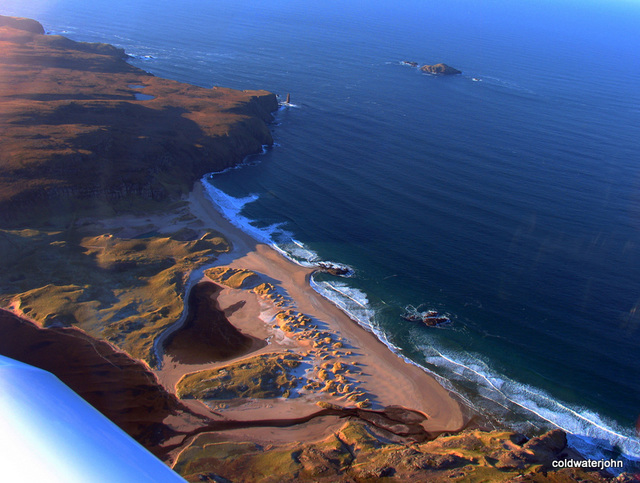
436	69
207	347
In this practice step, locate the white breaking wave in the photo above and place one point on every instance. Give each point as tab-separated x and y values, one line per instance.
350	300
355	304
231	209
587	431
141	56
300	252
59	32
275	235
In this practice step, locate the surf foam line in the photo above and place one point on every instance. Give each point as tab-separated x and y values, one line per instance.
586	429
231	208
273	235
352	301
283	105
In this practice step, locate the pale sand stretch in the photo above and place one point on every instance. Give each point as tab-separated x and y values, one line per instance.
386	379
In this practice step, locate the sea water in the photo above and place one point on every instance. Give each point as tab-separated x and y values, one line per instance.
507	198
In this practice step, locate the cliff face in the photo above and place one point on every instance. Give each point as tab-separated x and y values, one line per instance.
122	388
19	23
77	122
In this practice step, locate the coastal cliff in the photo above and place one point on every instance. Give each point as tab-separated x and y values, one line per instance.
122	388
25	24
77	122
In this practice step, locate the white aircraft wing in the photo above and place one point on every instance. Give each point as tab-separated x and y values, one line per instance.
48	433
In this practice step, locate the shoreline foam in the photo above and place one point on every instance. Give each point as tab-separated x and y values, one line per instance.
589	433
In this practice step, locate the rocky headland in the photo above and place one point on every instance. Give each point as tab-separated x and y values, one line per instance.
113	266
72	126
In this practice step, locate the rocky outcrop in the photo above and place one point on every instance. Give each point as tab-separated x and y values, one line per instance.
336	269
440	69
74	133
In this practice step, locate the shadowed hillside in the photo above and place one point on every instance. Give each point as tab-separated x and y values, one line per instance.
78	122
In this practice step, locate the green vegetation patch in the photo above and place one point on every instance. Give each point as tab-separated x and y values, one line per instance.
203	454
359	438
241	461
263	377
56	305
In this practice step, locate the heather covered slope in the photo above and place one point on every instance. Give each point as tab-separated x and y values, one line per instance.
78	122
125	286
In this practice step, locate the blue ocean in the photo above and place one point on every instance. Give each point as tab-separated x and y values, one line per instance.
507	197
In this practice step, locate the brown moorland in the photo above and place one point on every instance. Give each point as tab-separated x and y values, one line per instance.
73	125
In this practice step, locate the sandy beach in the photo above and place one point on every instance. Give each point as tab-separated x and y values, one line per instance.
340	358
